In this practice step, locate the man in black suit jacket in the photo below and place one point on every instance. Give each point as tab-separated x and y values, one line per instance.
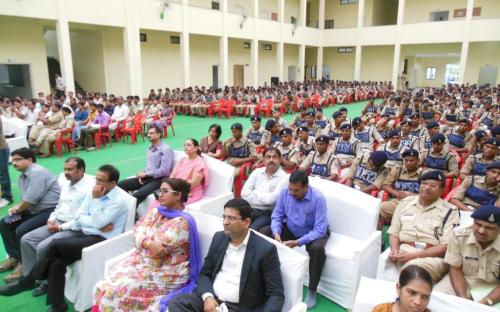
241	269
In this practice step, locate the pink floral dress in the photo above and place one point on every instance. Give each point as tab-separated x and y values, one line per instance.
139	282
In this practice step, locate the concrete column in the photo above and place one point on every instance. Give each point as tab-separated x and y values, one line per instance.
255	9
319	64
302	62
224	60
185	46
132	46
357	63
303	13
401	11
255	62
64	48
280	54
321	14
395	65
281	11
361	12
464	53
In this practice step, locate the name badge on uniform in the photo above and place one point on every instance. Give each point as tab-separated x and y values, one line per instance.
408	217
471	258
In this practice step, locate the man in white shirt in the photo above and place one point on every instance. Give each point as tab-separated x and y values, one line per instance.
60	86
120	113
263	187
241	270
73	191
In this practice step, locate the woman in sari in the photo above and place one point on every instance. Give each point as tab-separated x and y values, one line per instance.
414	292
193	169
211	145
165	263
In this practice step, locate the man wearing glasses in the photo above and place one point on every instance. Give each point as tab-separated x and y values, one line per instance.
421	226
159	164
241	270
39	196
474	258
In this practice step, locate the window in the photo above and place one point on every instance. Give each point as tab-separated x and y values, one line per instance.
452	73
143	37
268	47
215	5
345	50
247	45
439	16
430	73
329	24
175	39
348	1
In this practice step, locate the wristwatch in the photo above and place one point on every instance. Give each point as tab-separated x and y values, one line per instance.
489	301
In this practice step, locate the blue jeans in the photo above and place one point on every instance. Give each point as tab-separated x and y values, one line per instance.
4	174
77	131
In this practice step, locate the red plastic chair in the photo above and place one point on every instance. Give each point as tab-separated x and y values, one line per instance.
65	138
134	130
269	107
238	181
118	131
101	136
169	123
226	107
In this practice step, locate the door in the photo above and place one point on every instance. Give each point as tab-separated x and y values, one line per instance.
488	75
15	80
215	76
326	72
238	75
292	71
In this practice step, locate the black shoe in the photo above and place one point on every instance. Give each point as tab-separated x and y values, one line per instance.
40	290
63	307
17	287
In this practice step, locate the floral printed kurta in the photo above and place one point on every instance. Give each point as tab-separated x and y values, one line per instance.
139	282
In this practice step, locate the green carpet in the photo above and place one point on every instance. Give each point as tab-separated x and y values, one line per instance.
129	159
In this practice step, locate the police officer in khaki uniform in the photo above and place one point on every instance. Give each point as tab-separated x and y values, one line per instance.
305	143
438	159
477	164
393	149
473	255
333	128
321	162
50	134
346	148
476	191
401	182
271	135
408	140
368	173
366	135
255	132
425	141
314	129
459	137
289	154
238	149
51	122
421	226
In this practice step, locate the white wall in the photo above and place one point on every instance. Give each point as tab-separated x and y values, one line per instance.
161	61
204	53
292	8
344	16
311	60
376	63
267	63
116	78
291	58
482	54
239	56
418	11
341	64
22	42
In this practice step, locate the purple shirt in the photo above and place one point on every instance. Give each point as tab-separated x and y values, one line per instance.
305	218
160	161
102	119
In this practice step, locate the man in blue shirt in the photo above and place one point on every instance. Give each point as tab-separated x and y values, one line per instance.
102	215
299	218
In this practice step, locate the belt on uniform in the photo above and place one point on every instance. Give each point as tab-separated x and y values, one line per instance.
419	245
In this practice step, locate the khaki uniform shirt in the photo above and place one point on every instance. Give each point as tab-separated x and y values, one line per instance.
427	138
469	163
467	138
289	152
381	173
358	149
54	120
477	263
403	175
479	183
412	223
315	129
387	148
327	159
231	142
267	138
302	147
259	132
451	161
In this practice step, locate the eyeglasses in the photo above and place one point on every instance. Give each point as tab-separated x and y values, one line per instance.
231	218
165	191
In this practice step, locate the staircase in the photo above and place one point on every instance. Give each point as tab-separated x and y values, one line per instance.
55	68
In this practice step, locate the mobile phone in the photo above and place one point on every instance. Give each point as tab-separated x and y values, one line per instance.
13	218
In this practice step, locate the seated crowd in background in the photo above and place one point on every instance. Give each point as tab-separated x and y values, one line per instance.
408	147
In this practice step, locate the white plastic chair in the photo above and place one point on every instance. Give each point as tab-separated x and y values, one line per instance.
372	292
354	245
82	275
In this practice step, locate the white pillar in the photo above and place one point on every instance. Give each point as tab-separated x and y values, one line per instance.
64	48
361	12
303	13
357	63
401	11
395	65
185	46
302	62
256	9
321	14
132	46
464	53
224	60
319	64
281	8
255	62
281	60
